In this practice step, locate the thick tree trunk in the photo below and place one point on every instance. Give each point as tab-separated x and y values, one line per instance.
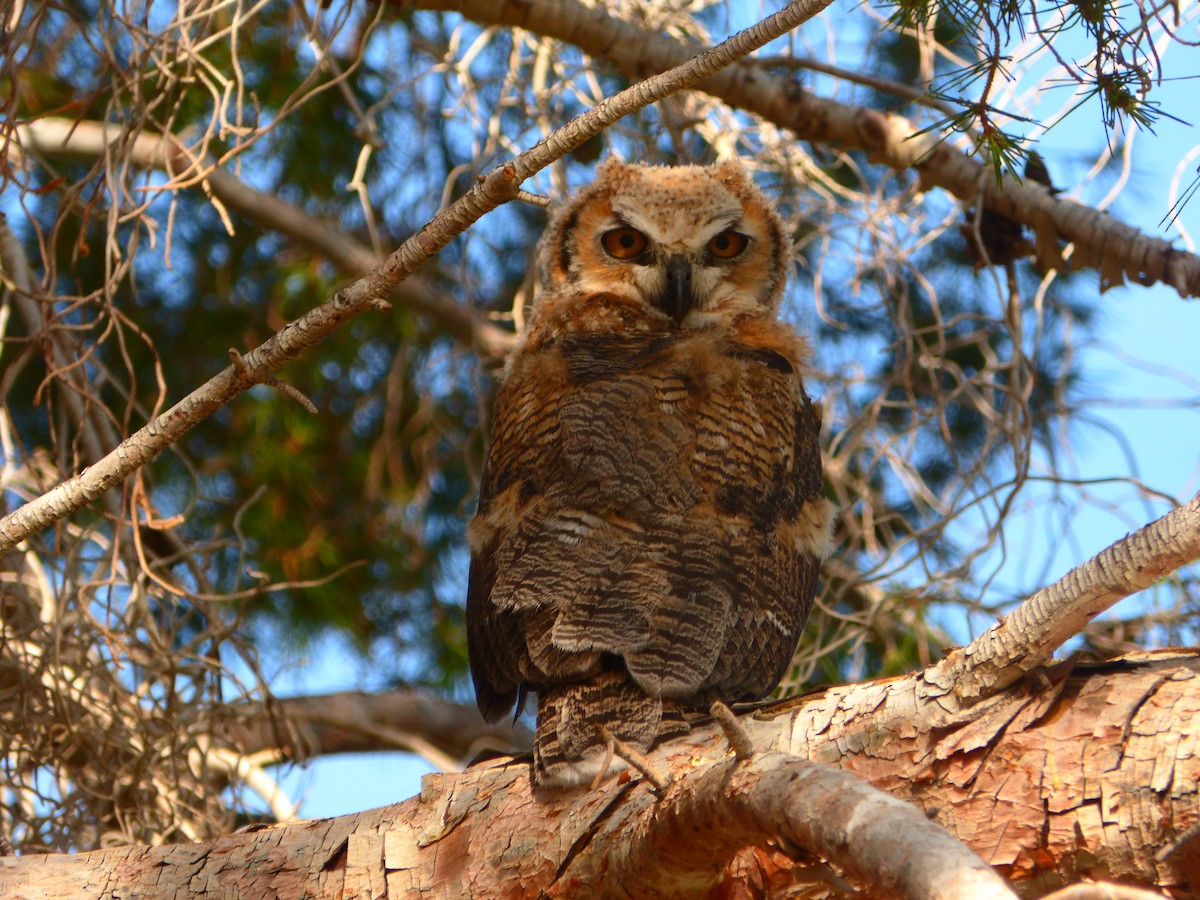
1076	771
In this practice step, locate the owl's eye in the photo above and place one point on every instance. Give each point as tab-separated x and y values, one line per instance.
623	243
728	244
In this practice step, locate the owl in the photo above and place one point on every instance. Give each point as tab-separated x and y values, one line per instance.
651	516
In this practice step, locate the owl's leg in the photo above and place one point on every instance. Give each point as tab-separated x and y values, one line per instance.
739	740
636	760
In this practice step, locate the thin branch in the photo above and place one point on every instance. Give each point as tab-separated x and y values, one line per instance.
80	397
97	431
1028	636
54	136
883	85
497	187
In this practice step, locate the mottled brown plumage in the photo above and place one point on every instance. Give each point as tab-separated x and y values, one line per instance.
651	517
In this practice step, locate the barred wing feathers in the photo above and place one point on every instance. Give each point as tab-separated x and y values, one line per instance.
649	530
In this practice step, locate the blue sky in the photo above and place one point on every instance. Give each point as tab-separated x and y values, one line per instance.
1145	363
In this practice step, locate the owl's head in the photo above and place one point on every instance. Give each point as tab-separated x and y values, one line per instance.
697	243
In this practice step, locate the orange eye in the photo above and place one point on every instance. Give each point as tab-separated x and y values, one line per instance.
623	243
728	244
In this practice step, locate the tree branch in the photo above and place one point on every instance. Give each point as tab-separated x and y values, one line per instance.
775	798
498	186
54	136
1103	892
883	85
96	430
349	722
1028	636
1116	250
1075	772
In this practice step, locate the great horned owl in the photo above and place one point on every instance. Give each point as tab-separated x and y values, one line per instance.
651	518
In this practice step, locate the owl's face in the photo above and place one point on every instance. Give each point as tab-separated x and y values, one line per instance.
695	244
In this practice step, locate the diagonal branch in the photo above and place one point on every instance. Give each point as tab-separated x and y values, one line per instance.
497	187
1118	251
779	799
1028	636
55	136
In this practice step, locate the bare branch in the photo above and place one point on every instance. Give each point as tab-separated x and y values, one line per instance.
1116	250
883	85
348	722
1101	891
53	136
63	359
1028	636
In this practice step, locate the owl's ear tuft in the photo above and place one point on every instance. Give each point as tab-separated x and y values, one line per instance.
733	174
558	254
614	172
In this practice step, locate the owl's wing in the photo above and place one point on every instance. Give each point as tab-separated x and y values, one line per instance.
647	500
759	460
523	454
584	455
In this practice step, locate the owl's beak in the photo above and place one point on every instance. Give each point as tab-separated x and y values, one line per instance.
677	297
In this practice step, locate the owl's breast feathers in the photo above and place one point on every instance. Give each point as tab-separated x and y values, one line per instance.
652	504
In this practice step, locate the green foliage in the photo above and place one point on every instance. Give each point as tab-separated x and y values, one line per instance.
1118	72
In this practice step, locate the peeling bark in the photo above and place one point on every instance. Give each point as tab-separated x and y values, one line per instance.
681	845
1076	772
1028	636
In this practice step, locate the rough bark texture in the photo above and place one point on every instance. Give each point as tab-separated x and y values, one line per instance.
1030	634
1077	771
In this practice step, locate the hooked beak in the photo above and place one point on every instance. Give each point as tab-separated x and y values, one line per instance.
677	297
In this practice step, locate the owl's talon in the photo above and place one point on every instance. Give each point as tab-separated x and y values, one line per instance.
636	760
735	734
610	750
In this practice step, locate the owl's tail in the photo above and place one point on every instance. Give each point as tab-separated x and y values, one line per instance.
569	747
